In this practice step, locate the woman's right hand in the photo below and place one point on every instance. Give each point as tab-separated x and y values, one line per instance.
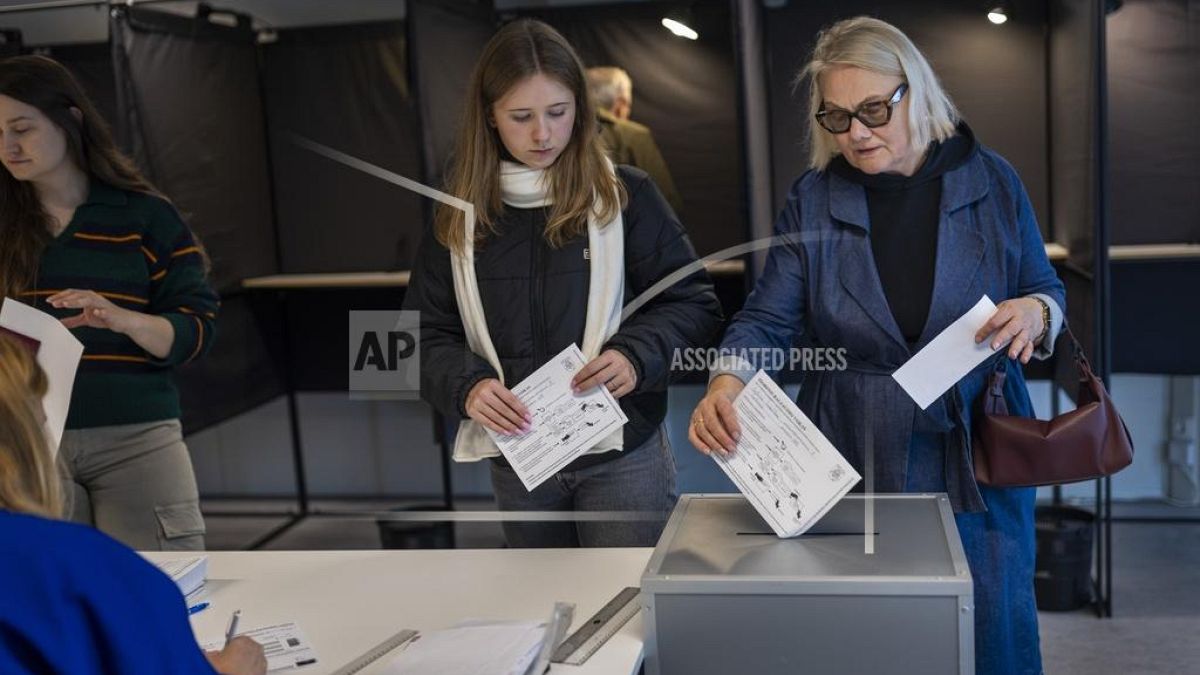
242	656
491	404
714	425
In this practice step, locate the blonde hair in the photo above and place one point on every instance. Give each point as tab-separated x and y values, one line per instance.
874	45
580	181
607	83
29	478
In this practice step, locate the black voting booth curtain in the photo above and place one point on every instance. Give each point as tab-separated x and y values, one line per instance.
347	88
92	66
1074	68
190	112
1153	62
445	39
686	92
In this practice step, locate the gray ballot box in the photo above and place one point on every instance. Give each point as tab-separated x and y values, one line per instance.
722	595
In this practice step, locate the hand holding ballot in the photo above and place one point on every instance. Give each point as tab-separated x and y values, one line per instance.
563	422
784	465
611	370
714	424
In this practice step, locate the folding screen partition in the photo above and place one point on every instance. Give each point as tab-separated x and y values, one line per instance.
345	87
190	111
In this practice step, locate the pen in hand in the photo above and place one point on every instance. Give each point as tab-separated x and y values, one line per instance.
233	625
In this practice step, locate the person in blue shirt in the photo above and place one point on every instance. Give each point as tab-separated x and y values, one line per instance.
72	599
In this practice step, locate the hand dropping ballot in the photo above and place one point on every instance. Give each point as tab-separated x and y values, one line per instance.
783	464
565	425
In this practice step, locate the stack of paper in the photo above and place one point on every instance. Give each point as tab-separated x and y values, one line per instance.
473	648
187	573
784	465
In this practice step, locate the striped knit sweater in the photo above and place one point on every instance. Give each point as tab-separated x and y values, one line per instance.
133	249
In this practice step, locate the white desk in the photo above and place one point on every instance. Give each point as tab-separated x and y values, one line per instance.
349	601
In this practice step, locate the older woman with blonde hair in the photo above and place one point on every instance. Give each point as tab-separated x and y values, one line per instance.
72	600
903	222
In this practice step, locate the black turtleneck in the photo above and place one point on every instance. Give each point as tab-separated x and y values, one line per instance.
903	212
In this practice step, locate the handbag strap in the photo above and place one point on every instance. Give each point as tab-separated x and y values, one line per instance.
1081	360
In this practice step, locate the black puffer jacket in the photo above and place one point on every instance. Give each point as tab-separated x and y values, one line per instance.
535	302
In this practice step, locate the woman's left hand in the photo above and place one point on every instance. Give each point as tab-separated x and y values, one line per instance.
1018	320
612	369
96	311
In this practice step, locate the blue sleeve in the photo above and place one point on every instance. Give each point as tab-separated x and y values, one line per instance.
1036	276
75	601
773	315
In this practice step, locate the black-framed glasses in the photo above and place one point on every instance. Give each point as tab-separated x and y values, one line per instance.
872	113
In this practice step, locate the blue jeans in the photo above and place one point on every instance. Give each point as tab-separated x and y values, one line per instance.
640	479
1000	546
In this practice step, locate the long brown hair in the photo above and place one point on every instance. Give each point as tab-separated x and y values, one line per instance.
24	225
577	180
29	479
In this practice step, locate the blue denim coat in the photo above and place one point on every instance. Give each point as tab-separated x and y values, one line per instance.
822	282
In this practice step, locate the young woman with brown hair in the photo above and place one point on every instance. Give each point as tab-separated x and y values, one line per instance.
559	242
86	238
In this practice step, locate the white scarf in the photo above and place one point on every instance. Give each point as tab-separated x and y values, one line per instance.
524	188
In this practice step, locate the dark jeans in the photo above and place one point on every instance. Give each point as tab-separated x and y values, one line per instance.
1000	546
641	479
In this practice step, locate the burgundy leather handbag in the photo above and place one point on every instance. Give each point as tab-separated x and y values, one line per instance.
1088	442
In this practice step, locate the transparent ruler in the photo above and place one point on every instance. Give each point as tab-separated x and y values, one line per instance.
591	636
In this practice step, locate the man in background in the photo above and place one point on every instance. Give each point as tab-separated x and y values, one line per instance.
627	141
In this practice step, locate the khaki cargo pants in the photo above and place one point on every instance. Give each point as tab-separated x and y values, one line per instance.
134	482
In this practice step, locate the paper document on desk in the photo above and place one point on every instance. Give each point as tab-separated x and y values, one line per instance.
284	644
783	464
565	425
947	357
188	574
57	352
472	648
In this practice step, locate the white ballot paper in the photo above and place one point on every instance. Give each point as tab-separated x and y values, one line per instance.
565	425
947	357
284	645
58	353
784	465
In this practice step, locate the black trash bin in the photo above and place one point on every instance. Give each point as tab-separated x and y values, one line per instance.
1062	579
413	534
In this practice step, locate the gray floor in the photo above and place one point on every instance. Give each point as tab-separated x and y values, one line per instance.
1156	581
1156	609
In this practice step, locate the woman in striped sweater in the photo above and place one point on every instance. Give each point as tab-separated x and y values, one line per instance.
86	238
